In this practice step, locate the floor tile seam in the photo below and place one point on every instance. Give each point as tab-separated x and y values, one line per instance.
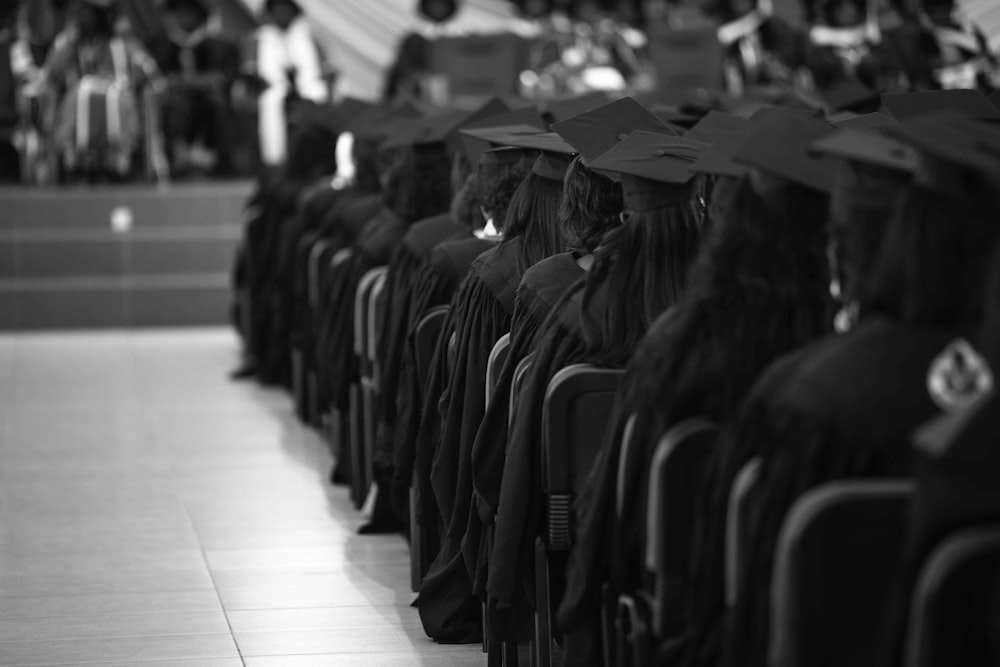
4	598
158	635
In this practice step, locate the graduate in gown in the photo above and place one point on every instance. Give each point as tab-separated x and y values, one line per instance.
957	473
590	208
638	272
845	406
483	308
423	190
498	175
758	290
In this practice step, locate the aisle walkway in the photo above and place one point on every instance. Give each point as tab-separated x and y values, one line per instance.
152	512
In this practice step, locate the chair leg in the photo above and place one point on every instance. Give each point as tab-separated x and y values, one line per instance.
358	490
543	631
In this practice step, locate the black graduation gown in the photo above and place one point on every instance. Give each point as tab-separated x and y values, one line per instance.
957	468
435	285
404	267
482	315
542	286
372	248
843	407
520	508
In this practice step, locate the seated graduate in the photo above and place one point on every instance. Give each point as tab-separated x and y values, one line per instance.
421	171
498	175
639	271
270	209
483	306
757	291
845	407
201	65
92	66
956	470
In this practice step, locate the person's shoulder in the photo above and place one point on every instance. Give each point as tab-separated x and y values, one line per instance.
457	255
425	234
551	269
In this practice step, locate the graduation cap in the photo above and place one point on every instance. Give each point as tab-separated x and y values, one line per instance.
505	155
779	146
954	139
493	107
652	167
422	131
377	122
715	125
548	142
596	131
868	121
473	145
674	116
551	166
848	95
970	103
568	107
869	147
718	160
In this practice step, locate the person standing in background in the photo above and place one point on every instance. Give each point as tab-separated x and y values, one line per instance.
289	66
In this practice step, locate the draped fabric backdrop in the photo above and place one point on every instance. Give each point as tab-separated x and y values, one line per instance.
360	36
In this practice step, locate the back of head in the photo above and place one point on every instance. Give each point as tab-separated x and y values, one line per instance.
860	209
642	266
935	257
757	291
495	187
424	182
533	219
465	207
591	206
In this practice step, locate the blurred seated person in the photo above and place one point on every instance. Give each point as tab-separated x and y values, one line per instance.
288	67
93	74
201	65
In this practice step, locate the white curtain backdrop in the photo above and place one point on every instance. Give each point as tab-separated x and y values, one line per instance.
360	36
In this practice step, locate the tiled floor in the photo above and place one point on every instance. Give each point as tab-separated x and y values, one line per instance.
153	512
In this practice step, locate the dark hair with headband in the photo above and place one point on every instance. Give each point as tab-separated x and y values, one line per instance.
591	207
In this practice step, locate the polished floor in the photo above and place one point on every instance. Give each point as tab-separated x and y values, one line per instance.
154	513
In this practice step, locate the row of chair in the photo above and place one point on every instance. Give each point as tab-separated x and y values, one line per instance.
839	547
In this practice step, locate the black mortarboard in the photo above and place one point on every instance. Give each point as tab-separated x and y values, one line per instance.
715	125
718	158
868	121
869	147
848	95
675	116
549	142
650	164
568	107
377	122
474	146
971	103
551	166
994	98
596	131
954	139
495	106
780	147
422	131
504	155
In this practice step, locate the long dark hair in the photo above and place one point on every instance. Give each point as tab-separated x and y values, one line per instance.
757	290
591	206
860	209
424	183
641	270
533	217
934	260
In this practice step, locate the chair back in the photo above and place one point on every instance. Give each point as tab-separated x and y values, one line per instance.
835	564
498	355
743	485
426	339
675	478
953	610
375	315
520	373
361	303
577	407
